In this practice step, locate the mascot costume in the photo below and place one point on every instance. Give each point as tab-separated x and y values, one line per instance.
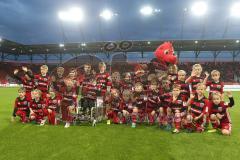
164	57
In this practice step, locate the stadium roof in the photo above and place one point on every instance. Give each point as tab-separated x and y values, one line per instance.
11	47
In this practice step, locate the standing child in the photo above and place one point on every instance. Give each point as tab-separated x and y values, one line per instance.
215	85
42	81
89	95
153	101
88	89
126	83
26	80
103	80
116	80
58	81
165	116
139	103
185	92
196	77
178	107
72	76
140	75
68	102
172	74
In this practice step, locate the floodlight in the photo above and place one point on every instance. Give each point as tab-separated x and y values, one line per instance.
235	10
199	8
72	15
106	14
61	45
146	10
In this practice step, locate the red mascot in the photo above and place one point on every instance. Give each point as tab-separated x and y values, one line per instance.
165	53
164	56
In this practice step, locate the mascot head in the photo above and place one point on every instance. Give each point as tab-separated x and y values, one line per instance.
165	53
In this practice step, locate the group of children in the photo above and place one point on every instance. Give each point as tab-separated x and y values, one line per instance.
169	98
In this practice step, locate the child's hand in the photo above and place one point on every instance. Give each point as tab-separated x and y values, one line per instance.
49	111
219	116
71	108
74	96
192	96
229	94
15	71
196	118
193	74
24	69
207	74
174	98
53	78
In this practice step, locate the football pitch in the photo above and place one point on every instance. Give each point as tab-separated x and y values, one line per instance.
31	142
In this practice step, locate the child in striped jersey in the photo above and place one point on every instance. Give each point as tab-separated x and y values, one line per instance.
218	111
196	77
198	109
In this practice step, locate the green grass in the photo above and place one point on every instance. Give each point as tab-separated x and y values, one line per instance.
28	142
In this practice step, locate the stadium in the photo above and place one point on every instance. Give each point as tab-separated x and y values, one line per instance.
118	79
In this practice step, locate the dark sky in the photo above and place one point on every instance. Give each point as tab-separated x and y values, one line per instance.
36	21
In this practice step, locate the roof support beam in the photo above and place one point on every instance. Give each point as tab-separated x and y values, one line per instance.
196	55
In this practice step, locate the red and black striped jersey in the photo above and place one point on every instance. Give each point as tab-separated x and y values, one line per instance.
140	99
126	85
194	81
114	102
103	80
172	78
58	83
178	104
153	97
140	79
165	98
27	84
185	91
89	91
126	105
37	105
157	65
215	86
22	104
42	82
69	94
199	106
86	79
53	103
221	108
